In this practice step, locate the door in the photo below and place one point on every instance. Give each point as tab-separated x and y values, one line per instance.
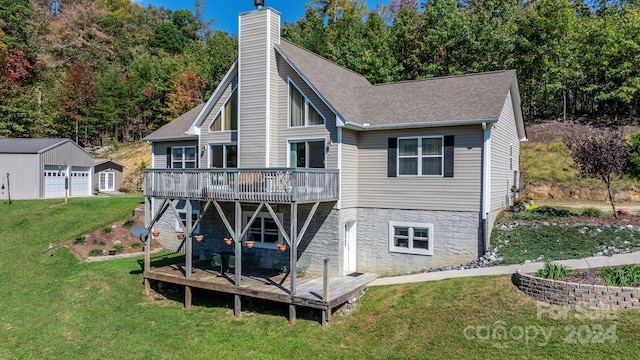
80	181
106	181
349	237
54	179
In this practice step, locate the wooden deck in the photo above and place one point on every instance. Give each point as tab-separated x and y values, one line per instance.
267	285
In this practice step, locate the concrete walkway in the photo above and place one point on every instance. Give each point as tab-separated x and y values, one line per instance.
591	262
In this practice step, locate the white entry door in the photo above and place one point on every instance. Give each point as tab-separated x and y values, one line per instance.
349	247
106	181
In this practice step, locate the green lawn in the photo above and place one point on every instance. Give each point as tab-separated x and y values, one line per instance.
52	306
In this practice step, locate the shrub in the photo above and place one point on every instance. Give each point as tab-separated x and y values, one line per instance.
623	212
592	212
136	245
128	223
553	271
118	248
95	252
107	229
542	213
627	275
79	240
102	243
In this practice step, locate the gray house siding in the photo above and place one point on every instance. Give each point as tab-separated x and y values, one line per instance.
25	176
459	193
276	113
349	170
68	153
285	133
254	53
505	155
160	149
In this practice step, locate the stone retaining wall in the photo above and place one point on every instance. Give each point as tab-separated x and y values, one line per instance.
568	293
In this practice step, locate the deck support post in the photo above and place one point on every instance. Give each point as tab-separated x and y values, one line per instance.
293	258
326	313
237	308
147	245
188	297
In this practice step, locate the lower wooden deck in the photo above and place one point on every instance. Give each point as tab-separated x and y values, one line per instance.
267	285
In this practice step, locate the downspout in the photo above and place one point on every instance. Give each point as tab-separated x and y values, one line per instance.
486	185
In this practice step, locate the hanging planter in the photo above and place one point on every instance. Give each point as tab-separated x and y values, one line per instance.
282	247
180	236
199	237
155	233
228	241
249	243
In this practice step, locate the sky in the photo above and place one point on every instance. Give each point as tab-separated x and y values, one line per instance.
225	12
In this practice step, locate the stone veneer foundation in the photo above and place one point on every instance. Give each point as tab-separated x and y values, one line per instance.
567	293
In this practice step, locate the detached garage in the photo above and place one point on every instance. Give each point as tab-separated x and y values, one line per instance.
44	168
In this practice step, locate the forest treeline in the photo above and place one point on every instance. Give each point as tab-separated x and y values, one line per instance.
111	70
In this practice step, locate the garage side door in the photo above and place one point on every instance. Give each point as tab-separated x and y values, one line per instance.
80	181
54	181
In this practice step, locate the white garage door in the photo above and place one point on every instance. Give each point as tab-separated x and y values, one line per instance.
54	181
80	181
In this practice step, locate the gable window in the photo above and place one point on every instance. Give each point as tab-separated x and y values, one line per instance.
420	156
411	238
223	156
301	111
227	117
263	230
307	154
183	157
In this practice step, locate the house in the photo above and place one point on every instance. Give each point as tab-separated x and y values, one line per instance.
44	168
293	149
107	175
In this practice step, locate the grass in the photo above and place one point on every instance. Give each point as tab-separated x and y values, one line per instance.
52	306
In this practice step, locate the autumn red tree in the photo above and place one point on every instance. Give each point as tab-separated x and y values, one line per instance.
600	154
77	95
186	90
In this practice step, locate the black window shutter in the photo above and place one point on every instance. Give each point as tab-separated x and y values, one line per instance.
169	164
392	157
448	155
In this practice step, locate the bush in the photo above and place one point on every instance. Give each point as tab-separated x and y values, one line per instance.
627	275
542	213
95	252
128	223
553	271
592	212
102	243
118	248
136	245
79	240
106	230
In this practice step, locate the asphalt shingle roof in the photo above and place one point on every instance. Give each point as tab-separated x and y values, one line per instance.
178	127
28	146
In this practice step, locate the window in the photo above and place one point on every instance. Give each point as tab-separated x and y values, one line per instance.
223	156
307	154
301	111
263	230
420	156
182	211
183	157
411	238
227	118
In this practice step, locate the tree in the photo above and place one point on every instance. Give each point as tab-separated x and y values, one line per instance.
78	95
168	37
600	154
187	89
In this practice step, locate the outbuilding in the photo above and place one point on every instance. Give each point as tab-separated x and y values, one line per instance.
107	175
44	168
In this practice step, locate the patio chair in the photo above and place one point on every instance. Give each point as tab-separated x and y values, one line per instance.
232	263
216	260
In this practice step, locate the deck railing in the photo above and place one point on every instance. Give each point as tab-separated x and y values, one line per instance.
281	185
